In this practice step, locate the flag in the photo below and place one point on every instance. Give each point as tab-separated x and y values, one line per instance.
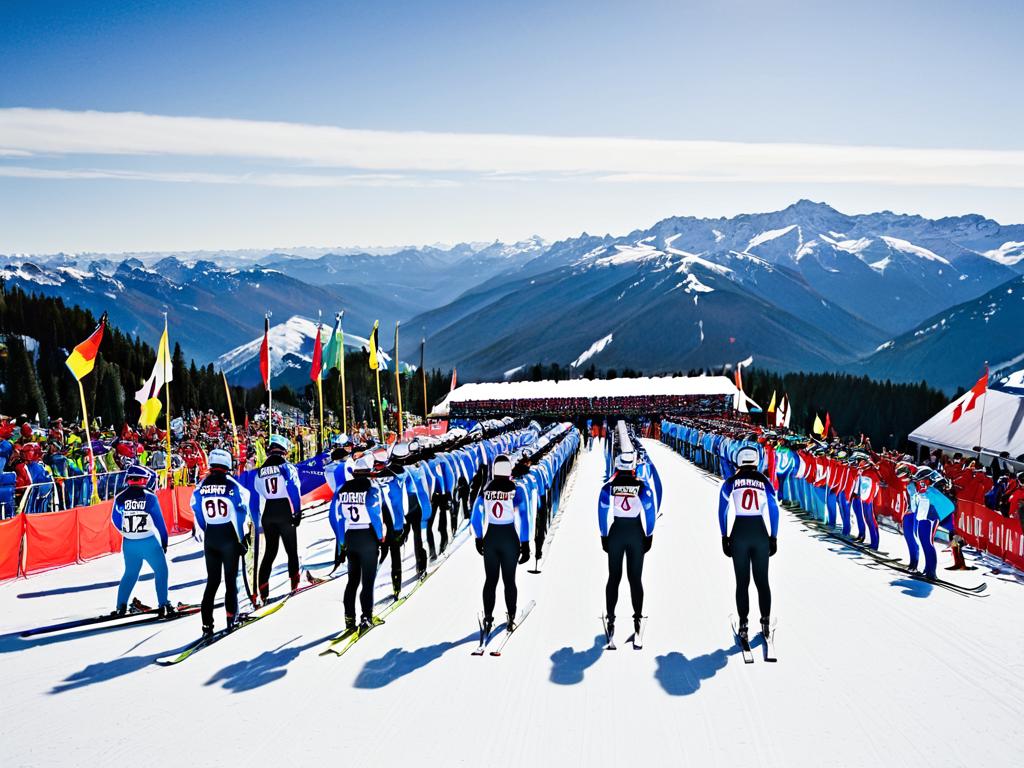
374	362
83	357
828	425
334	352
979	389
782	413
265	353
149	395
318	354
455	379
819	428
789	412
771	405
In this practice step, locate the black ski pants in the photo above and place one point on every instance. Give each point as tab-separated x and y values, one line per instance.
501	556
362	548
278	529
750	553
625	540
222	551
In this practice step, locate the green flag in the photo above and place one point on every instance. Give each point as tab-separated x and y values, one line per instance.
334	352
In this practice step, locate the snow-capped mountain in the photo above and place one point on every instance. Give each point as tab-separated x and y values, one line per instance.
209	308
291	354
950	349
807	287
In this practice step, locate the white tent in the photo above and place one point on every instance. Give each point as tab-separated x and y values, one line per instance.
646	386
996	422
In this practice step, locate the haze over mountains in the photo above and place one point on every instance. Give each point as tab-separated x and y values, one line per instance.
804	288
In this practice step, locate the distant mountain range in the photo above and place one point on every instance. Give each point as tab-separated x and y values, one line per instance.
804	288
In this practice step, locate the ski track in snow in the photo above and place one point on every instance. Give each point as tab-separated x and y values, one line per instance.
873	669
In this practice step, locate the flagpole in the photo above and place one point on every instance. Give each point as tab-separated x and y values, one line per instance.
88	438
398	384
981	422
167	403
231	415
270	391
426	408
344	403
320	387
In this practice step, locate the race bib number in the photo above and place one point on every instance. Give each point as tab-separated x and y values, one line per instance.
499	506
135	523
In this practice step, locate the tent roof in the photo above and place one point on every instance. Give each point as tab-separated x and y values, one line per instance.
647	386
1001	430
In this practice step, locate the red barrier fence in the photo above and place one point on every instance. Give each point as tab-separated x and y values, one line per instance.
989	531
30	543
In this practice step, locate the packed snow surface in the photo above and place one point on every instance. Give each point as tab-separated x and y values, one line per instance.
874	669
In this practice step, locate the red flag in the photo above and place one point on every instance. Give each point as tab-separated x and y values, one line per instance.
828	425
265	353
455	376
318	357
979	389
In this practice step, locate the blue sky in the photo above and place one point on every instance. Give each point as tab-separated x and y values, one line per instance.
257	124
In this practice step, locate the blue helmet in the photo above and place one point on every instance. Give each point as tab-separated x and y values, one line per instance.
137	474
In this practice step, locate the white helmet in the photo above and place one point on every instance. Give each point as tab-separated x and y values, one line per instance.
220	458
748	456
280	443
625	461
362	463
502	466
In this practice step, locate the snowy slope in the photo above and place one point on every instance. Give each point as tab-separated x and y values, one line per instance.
873	669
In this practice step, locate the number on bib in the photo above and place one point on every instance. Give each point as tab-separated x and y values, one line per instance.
272	485
749	499
353	514
134	523
215	507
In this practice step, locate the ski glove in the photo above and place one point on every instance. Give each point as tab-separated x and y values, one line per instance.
727	546
405	534
197	533
245	542
648	542
480	546
339	554
296	520
383	553
524	552
773	545
604	543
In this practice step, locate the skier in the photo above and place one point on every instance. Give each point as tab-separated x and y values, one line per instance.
501	525
136	515
356	519
393	483
624	533
221	505
750	495
928	509
278	511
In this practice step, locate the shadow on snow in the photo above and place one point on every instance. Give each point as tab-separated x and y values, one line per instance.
568	666
681	676
398	662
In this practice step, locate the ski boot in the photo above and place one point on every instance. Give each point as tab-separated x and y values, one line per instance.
744	631
610	626
487	627
167	611
350	623
121	610
510	626
365	624
636	624
138	606
396	586
295	582
766	627
232	622
208	631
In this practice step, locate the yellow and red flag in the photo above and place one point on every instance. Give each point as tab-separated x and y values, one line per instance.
82	359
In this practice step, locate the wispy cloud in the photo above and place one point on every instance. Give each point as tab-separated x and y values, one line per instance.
385	153
294	180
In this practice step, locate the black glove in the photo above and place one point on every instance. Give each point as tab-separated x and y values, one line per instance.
773	545
480	546
165	547
405	534
297	519
604	543
383	552
246	542
727	546
524	552
339	554
648	541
